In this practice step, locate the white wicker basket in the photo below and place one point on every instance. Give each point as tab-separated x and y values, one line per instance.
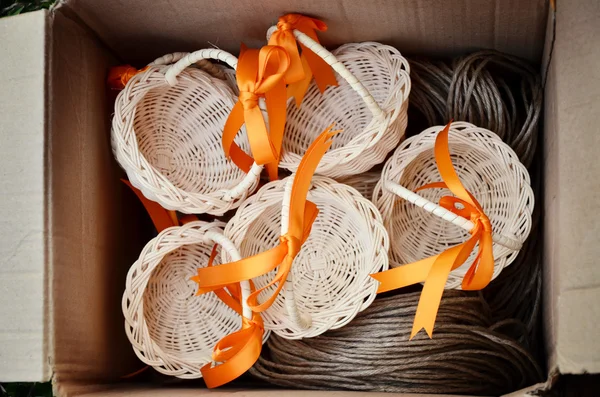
364	183
487	167
169	327
369	105
329	282
167	137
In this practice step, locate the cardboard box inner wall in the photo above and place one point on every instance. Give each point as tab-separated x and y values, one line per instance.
71	230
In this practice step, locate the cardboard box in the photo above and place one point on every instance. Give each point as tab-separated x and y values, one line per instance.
66	228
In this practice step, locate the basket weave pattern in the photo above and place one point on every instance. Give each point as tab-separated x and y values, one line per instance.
487	167
330	275
169	327
168	140
366	139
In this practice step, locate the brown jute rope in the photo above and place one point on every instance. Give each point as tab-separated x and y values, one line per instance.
373	353
490	89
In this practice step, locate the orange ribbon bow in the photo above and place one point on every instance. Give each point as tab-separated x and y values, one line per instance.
302	67
118	76
302	215
239	351
259	74
434	270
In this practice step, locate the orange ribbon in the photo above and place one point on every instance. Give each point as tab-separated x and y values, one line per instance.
118	76
259	74
238	351
434	270
302	215
302	67
162	218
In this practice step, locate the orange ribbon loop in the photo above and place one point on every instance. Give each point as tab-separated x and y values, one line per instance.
301	217
259	74
118	76
434	270
302	67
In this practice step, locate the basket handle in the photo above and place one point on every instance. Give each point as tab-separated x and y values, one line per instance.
447	215
203	64
303	320
227	245
197	56
339	67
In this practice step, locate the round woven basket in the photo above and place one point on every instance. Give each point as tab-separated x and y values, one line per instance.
169	327
329	282
369	105
487	167
166	135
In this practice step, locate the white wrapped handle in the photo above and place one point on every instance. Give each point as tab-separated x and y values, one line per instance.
197	56
187	60
303	320
203	64
447	215
227	245
339	68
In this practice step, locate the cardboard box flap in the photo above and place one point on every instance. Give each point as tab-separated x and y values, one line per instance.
139	30
572	227
24	316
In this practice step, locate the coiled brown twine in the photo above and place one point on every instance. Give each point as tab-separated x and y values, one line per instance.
373	353
490	89
483	343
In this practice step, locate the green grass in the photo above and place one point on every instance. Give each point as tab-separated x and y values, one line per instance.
16	7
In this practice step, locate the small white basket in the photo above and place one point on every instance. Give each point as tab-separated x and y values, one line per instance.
167	132
488	168
369	105
169	327
330	278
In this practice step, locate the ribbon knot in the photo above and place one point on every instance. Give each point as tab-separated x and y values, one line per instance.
119	76
306	65
259	74
292	243
283	25
434	270
248	99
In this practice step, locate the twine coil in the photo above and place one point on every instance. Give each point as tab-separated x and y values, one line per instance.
468	354
490	89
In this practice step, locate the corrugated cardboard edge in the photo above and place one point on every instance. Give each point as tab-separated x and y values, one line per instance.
572	224
25	351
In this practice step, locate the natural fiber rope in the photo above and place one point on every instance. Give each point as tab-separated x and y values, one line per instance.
373	353
492	90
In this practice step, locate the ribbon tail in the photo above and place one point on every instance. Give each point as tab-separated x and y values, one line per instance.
260	142
298	89
433	289
322	72
276	108
241	358
405	275
481	271
232	126
161	218
302	178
